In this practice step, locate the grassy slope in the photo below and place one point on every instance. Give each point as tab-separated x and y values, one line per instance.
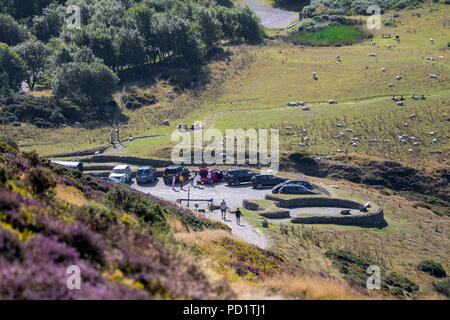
266	77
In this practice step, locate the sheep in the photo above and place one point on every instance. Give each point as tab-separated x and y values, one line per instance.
441	57
412	138
305	108
372	55
337	137
338	125
430	58
169	92
332	102
433	76
227	137
97	152
328	158
317	159
383	69
289	128
355	144
338	57
391	85
401	103
386	141
435	140
314	74
416	144
306	139
413	116
389	47
398	77
305	131
432	40
300	103
403	141
166	122
405	124
432	133
348	130
373	43
302	145
373	141
410	150
339	151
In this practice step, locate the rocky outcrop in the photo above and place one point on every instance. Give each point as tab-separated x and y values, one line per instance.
370	220
252	206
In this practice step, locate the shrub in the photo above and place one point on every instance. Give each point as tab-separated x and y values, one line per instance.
443	287
433	268
40	180
399	281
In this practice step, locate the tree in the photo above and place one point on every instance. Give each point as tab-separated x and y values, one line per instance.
102	44
210	28
12	69
89	84
35	54
11	32
50	23
249	26
130	48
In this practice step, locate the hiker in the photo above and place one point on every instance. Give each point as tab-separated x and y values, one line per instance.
209	177
181	181
174	179
238	216
223	209
198	179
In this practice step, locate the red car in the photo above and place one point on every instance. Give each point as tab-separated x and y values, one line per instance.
210	175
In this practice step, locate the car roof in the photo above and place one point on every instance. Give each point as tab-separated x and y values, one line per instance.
145	167
174	167
121	166
294	185
236	169
302	180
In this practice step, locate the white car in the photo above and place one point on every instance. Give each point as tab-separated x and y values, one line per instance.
121	173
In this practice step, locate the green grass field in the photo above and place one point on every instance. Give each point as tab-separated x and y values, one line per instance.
336	35
251	89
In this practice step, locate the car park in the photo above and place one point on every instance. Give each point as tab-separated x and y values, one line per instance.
299	182
121	173
238	175
145	174
296	189
177	171
265	180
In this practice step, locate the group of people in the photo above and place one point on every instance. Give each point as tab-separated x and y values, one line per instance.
196	180
223	210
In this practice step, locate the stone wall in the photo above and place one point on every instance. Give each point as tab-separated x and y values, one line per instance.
370	220
315	202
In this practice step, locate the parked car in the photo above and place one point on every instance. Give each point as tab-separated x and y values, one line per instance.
175	170
298	182
122	173
113	180
237	176
296	189
216	175
145	174
265	180
69	164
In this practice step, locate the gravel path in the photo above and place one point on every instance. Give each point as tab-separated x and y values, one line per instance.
271	17
233	197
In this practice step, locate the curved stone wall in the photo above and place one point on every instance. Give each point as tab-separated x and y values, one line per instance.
370	220
315	202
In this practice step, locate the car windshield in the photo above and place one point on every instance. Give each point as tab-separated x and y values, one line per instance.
171	170
143	171
119	171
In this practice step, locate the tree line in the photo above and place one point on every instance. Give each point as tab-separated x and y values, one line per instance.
85	64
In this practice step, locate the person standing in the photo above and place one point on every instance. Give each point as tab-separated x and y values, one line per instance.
174	179
181	181
192	179
238	216
223	209
198	179
209	177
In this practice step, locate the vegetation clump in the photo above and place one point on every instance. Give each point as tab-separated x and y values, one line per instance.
433	268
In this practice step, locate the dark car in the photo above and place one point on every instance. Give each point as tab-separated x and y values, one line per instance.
265	180
145	174
298	182
237	176
296	189
176	170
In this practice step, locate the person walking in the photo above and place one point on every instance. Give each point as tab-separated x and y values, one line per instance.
181	182
174	179
223	209
209	177
238	214
192	179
